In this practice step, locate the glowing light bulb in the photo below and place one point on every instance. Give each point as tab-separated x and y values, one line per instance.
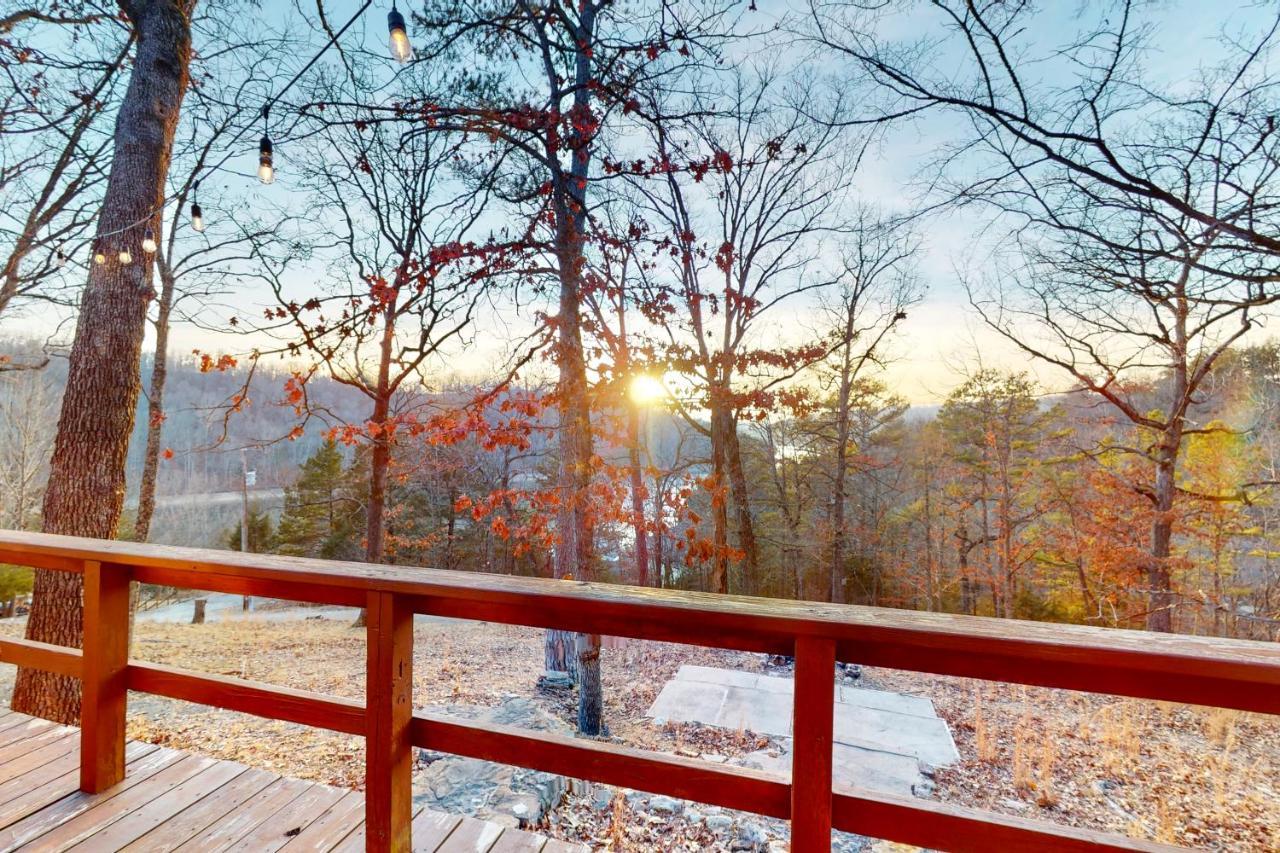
197	218
125	257
401	50
266	169
149	241
99	256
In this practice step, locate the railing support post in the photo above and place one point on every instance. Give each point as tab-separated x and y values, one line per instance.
105	654
388	713
811	755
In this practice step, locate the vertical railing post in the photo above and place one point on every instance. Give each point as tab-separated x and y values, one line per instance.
105	654
813	723
388	713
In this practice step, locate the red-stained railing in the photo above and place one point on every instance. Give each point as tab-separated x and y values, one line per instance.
1235	674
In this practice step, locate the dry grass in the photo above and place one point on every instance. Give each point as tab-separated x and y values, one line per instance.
1196	777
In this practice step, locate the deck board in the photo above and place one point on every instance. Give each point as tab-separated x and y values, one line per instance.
176	801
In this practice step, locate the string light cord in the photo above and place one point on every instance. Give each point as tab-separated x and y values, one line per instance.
266	107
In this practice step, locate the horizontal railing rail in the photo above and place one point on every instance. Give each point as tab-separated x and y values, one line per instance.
1237	674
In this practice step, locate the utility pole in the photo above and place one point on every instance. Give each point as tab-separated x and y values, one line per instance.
245	481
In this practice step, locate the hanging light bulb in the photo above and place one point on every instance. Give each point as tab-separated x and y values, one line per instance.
149	241
99	256
197	215
60	258
266	170
124	256
401	50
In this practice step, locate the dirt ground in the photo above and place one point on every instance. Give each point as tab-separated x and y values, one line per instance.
1190	776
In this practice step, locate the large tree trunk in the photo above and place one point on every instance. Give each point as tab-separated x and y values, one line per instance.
637	500
719	581
1159	582
375	526
155	409
87	471
838	487
742	507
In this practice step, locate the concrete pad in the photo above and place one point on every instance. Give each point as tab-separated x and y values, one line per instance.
883	700
852	767
859	767
927	738
689	702
715	675
774	684
757	710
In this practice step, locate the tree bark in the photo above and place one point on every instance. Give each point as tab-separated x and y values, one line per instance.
1159	581
742	507
719	581
375	528
574	526
637	499
87	472
155	408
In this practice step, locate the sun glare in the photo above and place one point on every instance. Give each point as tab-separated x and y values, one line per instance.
647	390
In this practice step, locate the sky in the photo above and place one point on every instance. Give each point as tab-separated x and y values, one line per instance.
942	337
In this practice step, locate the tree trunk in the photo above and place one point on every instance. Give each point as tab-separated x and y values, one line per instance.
155	410
1159	582
87	471
742	507
375	527
637	501
719	581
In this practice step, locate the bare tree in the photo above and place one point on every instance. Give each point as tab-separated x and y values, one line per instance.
1138	248
876	287
54	140
742	236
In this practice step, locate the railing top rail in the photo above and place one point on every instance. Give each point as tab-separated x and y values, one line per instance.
1104	660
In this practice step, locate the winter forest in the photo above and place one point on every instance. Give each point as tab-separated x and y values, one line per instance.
956	307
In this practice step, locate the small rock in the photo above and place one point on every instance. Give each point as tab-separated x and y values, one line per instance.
602	798
693	815
555	681
718	823
636	799
1016	805
714	758
749	837
664	805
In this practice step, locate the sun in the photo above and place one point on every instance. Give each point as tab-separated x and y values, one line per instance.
647	390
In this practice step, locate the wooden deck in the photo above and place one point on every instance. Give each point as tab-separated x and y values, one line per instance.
172	800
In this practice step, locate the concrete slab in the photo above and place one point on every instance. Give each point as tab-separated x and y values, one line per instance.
689	702
757	710
881	738
852	766
926	738
715	675
883	700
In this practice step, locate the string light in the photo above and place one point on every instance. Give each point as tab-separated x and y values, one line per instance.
266	168
124	256
149	241
401	50
60	258
197	215
99	256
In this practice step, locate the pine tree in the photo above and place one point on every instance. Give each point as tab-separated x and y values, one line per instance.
323	509
261	536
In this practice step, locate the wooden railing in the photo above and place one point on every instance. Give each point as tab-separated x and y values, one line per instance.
1235	674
